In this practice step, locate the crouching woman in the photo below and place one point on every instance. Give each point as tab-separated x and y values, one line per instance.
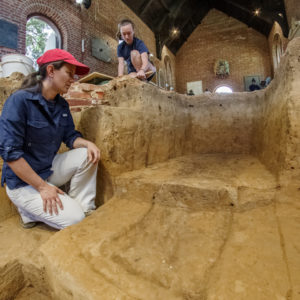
34	122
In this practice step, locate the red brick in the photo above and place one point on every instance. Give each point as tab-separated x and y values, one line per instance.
75	109
86	87
78	95
100	95
74	102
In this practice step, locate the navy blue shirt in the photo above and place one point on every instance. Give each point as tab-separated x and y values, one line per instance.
29	130
125	49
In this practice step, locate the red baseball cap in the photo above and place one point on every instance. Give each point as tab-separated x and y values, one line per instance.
59	54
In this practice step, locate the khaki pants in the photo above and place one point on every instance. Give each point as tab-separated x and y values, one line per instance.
70	167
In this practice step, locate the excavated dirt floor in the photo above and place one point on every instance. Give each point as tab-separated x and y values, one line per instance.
199	199
19	273
195	227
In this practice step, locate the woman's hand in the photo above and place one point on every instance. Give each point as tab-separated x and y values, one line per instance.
93	152
49	194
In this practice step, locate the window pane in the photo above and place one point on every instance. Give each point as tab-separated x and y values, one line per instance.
223	89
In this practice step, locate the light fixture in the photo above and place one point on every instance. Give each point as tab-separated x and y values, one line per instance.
280	15
175	32
85	3
256	12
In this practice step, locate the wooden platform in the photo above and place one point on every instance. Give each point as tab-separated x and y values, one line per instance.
96	78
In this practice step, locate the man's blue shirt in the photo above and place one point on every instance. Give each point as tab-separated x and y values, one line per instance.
125	49
29	130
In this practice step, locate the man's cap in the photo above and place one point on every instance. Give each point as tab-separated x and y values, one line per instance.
58	55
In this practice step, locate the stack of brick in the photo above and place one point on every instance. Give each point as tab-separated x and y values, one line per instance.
82	95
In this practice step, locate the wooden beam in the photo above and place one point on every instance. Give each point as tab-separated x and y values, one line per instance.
146	4
162	2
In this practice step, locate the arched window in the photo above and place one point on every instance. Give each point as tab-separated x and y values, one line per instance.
41	35
168	68
223	89
276	50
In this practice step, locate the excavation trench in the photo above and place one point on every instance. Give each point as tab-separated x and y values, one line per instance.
198	199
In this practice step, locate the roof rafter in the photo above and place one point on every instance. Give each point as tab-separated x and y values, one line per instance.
162	15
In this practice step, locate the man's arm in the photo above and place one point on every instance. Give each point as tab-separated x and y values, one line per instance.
121	66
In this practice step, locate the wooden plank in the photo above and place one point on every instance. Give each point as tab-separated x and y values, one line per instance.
95	77
98	78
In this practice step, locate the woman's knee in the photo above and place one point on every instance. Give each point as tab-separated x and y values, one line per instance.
82	153
73	219
79	157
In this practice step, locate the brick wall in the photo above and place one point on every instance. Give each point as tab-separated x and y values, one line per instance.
218	37
292	8
84	95
222	37
75	24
